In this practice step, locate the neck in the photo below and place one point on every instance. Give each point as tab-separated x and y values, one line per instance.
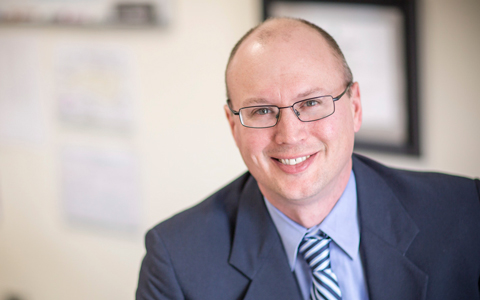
308	214
311	212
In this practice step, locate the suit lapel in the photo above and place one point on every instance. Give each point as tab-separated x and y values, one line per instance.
386	234
257	251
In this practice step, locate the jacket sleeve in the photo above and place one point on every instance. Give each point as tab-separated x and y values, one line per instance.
477	182
157	280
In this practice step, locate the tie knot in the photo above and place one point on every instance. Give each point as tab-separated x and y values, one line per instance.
315	250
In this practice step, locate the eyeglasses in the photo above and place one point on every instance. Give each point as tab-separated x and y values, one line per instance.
308	110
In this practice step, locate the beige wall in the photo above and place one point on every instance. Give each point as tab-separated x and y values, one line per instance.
183	158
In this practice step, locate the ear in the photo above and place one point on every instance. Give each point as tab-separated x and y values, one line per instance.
231	122
356	105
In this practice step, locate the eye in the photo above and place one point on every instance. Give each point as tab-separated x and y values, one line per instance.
262	111
309	103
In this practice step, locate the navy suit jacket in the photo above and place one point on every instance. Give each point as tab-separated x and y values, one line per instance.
419	239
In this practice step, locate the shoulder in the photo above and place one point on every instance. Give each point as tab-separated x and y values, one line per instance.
426	196
195	242
211	217
429	183
433	217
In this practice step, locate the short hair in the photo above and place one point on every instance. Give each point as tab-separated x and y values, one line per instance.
337	52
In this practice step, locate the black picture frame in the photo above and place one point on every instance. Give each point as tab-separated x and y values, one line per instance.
410	144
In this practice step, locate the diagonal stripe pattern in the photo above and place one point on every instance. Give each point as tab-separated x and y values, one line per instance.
315	250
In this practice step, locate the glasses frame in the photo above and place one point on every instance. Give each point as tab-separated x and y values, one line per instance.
237	112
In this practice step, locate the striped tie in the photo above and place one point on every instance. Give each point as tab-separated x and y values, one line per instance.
315	250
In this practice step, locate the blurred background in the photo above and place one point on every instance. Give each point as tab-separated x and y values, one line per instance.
106	131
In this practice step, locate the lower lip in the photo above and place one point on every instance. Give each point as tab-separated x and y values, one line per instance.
295	169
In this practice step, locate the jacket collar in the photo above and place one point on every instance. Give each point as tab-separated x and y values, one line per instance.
257	251
386	233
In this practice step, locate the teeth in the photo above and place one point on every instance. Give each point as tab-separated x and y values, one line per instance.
293	161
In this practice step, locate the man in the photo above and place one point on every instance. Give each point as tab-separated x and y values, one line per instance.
311	220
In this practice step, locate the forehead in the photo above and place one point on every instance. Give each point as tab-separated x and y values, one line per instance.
286	60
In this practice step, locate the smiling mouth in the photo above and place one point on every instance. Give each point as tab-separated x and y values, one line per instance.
293	161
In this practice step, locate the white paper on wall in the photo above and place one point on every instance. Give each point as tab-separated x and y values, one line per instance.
101	187
20	99
95	86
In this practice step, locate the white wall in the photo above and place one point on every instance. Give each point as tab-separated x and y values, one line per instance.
184	157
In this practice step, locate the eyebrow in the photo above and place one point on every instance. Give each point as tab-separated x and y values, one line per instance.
307	94
304	95
256	101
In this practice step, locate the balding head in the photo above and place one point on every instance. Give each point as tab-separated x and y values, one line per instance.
285	29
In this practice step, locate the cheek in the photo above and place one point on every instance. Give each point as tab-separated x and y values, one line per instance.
335	131
251	143
324	130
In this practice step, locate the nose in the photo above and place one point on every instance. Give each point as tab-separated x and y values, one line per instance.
289	129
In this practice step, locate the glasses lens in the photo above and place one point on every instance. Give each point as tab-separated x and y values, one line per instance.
259	116
315	108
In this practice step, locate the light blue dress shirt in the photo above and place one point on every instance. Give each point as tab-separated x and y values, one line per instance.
341	224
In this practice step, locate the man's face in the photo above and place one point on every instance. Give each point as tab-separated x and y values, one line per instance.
280	72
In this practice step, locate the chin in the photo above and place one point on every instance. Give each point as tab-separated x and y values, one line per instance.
297	195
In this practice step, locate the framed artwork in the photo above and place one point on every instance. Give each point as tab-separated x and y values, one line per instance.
378	39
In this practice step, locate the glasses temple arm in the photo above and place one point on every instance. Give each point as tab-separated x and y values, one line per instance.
343	93
231	109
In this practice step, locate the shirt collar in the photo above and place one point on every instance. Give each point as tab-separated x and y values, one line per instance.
341	224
